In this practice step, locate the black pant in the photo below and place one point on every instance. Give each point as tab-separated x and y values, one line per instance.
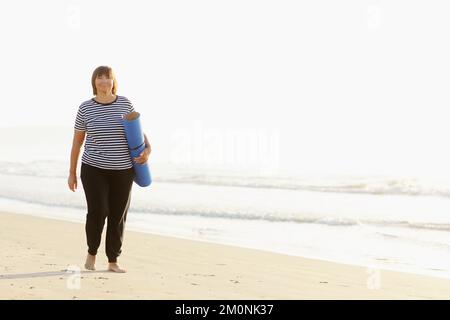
108	194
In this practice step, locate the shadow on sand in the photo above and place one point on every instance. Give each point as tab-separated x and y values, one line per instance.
49	274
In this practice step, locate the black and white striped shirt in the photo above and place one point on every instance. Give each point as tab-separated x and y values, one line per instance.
106	145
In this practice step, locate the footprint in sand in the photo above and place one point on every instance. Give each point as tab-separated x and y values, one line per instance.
201	275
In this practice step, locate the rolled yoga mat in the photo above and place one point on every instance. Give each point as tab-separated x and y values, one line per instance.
136	144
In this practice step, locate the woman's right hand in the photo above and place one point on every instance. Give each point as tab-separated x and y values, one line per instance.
72	181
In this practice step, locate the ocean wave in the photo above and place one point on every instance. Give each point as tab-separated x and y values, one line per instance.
336	184
274	217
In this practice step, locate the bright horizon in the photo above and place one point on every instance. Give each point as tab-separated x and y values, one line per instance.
348	87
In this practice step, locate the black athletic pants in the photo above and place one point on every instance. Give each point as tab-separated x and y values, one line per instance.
108	194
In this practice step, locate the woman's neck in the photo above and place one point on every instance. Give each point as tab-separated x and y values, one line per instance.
104	97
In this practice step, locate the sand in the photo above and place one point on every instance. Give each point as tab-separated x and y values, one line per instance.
37	252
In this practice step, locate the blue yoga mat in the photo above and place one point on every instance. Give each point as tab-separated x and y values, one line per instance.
136	144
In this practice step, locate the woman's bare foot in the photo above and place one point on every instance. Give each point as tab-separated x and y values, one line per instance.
90	262
113	266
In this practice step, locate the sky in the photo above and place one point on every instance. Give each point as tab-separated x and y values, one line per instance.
326	87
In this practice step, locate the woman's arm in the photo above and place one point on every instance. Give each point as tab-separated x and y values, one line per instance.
78	139
143	157
147	144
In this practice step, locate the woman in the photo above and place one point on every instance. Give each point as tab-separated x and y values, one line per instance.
106	166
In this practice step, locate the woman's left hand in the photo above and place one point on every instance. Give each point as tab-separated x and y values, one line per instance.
143	157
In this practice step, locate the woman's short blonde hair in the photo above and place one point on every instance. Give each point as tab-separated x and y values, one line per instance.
107	71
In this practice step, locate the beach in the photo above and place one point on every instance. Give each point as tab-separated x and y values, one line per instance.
297	152
42	259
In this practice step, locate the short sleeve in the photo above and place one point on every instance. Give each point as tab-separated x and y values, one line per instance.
130	106
80	123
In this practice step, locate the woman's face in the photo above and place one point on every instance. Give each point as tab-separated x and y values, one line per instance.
104	83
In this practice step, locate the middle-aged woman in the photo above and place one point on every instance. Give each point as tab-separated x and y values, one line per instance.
106	165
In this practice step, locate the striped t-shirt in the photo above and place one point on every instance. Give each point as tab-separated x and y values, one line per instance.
106	145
